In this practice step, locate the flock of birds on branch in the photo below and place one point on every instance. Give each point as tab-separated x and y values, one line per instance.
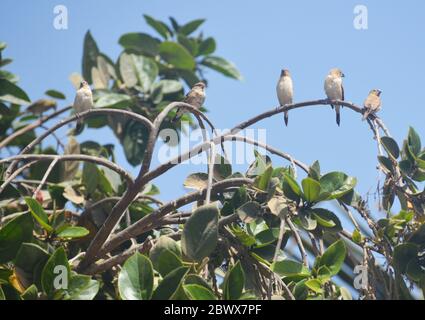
196	96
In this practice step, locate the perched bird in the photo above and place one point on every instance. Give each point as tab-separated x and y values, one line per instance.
334	89
83	102
195	97
285	90
372	103
40	106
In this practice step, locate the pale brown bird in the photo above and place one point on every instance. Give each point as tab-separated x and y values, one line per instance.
83	102
285	91
40	106
372	103
334	89
195	97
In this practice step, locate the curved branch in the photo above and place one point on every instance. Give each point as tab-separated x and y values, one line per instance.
148	222
31	126
72	157
85	114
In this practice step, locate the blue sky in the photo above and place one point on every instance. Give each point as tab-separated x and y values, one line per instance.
307	37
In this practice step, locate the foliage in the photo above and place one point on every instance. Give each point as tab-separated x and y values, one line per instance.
235	247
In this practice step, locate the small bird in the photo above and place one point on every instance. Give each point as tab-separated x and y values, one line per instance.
372	103
195	97
83	102
334	89
284	90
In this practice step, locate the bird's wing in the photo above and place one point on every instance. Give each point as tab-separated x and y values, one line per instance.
342	92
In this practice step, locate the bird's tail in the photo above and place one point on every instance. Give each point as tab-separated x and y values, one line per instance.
79	127
286	118
338	115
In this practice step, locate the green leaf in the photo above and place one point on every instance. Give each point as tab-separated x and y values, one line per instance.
223	66
290	187
73	232
249	211
311	189
327	219
197	181
137	69
391	146
176	55
234	282
191	26
403	254
262	181
38	213
336	184
10	92
113	100
134	142
170	284
290	268
200	232
197	292
167	262
140	42
414	141
315	285
13	235
159	26
82	287
307	219
333	257
51	276
29	263
31	293
206	47
168	86
135	280
386	163
314	171
2	295
90	53
163	243
55	94
90	178
221	168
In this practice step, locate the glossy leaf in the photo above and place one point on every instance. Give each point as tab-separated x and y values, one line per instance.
38	213
90	53
333	257
234	282
135	280
176	55
13	234
140	42
311	189
200	232
223	66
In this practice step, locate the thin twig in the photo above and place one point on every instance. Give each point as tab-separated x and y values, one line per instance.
46	175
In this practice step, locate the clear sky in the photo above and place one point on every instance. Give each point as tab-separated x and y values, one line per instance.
260	37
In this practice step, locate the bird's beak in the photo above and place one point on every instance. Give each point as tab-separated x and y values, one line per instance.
342	75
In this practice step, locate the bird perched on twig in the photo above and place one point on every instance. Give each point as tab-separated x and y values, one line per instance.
284	90
83	102
195	97
335	90
372	103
